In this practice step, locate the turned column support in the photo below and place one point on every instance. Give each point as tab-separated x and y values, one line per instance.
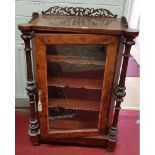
119	92
31	90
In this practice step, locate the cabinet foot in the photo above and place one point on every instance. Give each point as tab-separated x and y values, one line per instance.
111	146
112	138
34	132
35	140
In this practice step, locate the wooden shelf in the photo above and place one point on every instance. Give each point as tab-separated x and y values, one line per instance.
75	104
64	124
75	83
73	60
82	120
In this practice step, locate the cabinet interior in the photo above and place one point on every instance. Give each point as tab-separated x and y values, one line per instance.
75	75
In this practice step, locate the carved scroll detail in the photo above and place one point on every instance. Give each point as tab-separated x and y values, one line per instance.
34	16
124	22
79	11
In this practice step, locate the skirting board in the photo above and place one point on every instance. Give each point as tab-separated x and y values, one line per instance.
21	103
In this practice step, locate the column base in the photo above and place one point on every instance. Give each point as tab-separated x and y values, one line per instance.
35	140
112	138
111	146
34	137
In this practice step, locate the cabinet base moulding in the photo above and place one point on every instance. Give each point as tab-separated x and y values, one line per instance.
95	141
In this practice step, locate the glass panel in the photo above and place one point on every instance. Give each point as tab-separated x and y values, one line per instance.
75	79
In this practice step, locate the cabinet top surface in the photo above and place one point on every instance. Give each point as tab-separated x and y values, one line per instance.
78	24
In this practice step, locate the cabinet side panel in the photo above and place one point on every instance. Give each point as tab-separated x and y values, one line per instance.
41	79
115	82
110	65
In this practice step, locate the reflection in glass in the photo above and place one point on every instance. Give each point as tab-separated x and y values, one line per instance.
75	79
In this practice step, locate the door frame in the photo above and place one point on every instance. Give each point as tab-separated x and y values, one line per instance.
40	42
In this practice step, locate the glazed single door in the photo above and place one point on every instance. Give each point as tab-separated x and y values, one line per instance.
74	78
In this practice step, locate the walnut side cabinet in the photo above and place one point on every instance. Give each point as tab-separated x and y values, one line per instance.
76	82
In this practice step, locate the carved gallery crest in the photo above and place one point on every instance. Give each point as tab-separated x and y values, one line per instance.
79	11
